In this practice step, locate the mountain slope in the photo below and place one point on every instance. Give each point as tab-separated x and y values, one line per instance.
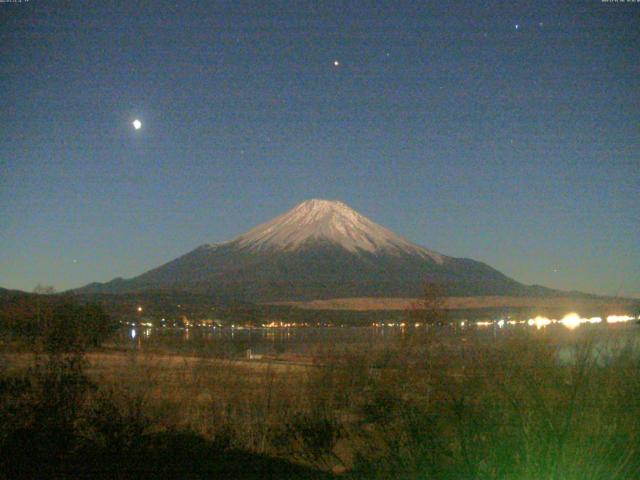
319	249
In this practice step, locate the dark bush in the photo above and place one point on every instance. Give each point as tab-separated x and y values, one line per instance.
39	413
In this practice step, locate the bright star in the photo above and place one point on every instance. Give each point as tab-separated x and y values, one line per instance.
137	124
517	26
336	63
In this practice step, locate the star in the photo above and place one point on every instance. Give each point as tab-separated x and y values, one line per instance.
517	26
336	63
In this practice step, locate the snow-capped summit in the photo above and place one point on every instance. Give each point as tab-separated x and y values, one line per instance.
332	221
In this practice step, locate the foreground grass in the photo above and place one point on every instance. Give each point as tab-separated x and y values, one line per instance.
421	407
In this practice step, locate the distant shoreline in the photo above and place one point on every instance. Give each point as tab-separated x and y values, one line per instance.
463	303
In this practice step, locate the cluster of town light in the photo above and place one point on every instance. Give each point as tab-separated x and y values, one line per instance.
283	325
573	320
570	320
394	324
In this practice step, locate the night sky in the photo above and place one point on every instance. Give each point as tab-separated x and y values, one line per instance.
507	132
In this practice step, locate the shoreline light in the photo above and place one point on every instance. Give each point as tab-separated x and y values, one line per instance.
539	322
573	320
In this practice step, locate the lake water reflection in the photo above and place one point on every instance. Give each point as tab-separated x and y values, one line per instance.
227	341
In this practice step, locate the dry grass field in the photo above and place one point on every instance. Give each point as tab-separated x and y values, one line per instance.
424	406
452	303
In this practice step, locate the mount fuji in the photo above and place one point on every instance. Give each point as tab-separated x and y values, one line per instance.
318	250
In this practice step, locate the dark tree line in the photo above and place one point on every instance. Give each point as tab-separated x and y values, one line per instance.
55	323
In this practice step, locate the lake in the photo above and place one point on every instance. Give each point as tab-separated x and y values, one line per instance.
227	341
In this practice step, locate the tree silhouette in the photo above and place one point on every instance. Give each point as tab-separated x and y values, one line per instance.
430	307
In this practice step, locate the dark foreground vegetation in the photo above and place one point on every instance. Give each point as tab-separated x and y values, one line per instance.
58	422
426	406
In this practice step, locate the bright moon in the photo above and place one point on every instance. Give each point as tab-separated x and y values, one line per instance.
137	124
